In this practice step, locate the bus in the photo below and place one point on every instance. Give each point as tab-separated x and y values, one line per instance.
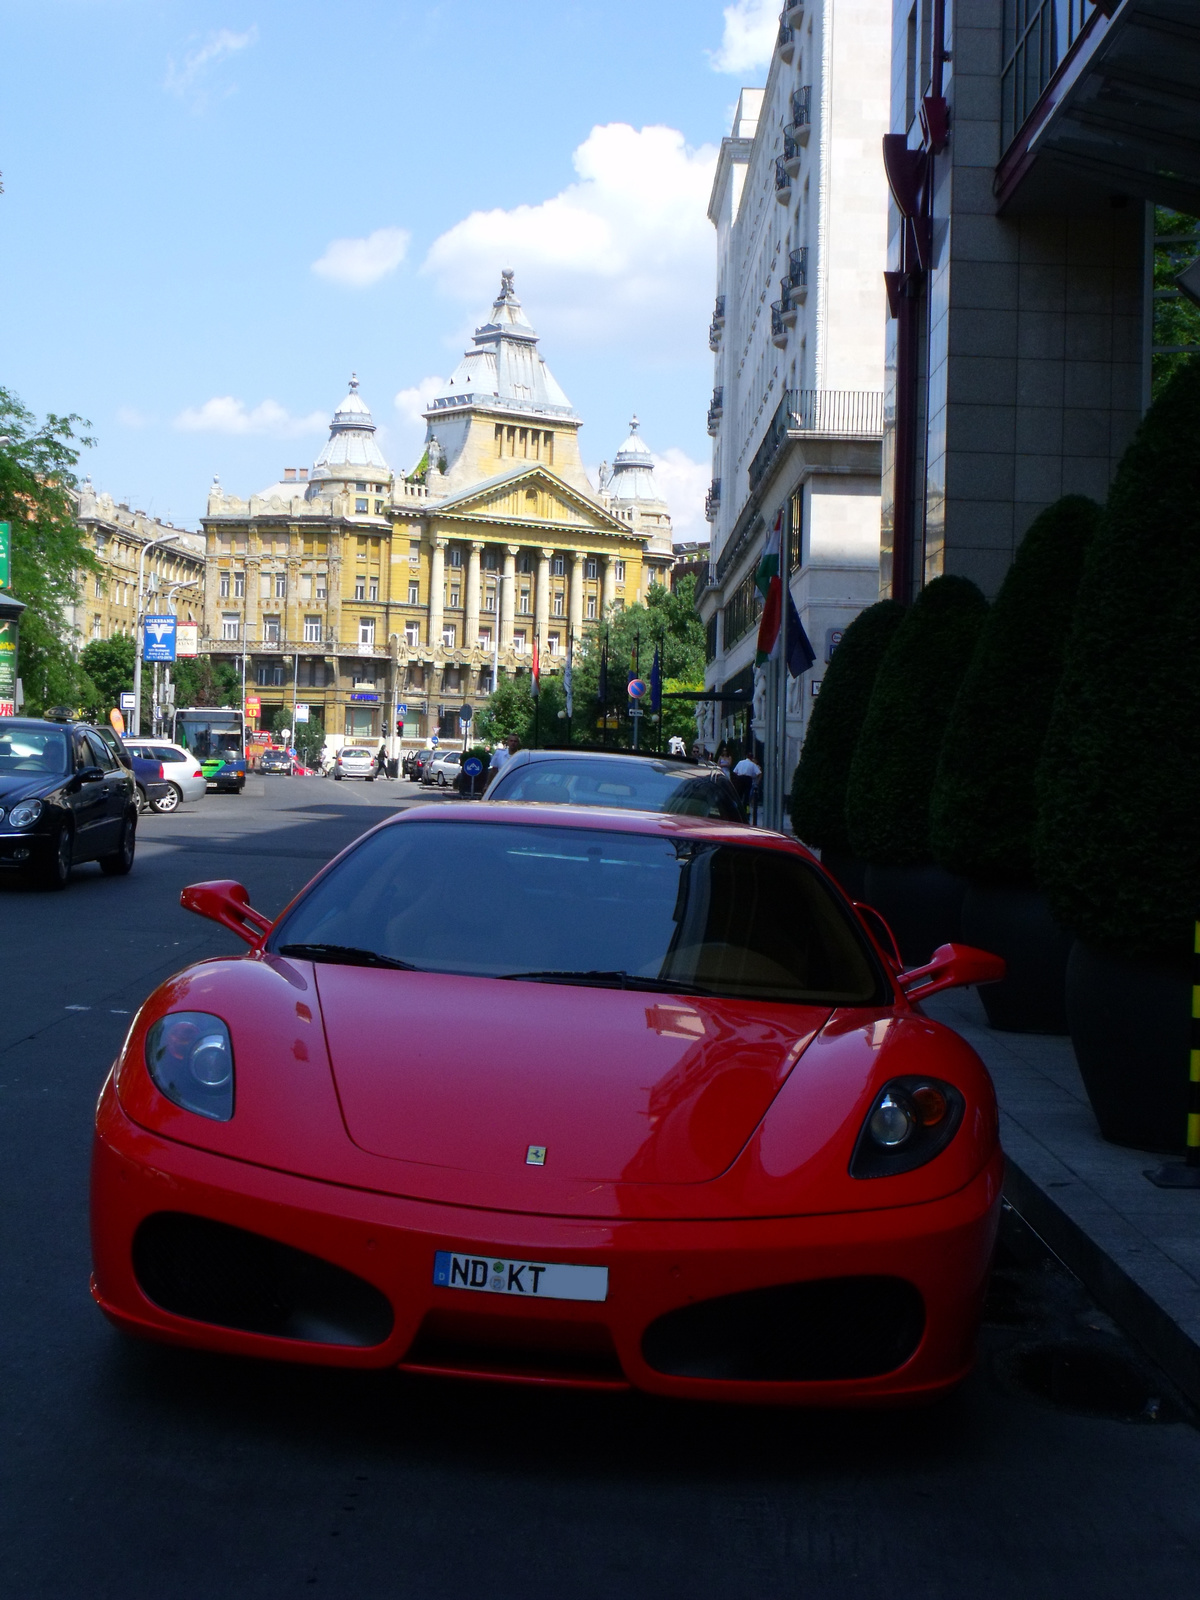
216	736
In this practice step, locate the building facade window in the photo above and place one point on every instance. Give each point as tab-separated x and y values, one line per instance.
524	606
414	592
366	631
269	676
591	567
557	603
489	598
552	644
271	629
591	607
239	586
449	632
360	588
224	586
412	633
485	638
360	507
230	626
558	566
455	555
414	552
312	630
281	586
455	598
518	643
322	590
96	625
619	571
373	589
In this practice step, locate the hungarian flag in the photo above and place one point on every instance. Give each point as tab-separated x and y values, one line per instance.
770	585
535	684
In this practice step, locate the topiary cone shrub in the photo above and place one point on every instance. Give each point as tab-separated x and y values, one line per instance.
984	804
895	761
818	799
1117	846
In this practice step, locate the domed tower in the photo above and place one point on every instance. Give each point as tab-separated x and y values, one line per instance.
630	493
502	407
351	462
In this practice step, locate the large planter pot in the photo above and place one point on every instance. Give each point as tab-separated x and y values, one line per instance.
921	905
849	871
1130	1023
1016	923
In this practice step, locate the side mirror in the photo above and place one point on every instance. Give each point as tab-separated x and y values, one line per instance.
88	775
884	936
227	902
953	967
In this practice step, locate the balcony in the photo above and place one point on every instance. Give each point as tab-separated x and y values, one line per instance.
712	500
786	43
779	332
793	13
818	413
715	409
717	323
783	182
794	288
795	134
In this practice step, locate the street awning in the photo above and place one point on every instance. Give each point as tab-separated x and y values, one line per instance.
1119	117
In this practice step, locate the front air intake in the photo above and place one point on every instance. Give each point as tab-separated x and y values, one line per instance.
791	1333
211	1272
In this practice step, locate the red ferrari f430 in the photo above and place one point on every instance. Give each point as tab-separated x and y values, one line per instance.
562	1096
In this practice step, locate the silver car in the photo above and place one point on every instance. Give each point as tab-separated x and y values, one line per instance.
355	761
180	769
443	769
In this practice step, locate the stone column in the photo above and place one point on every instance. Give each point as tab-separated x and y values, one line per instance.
541	604
508	597
575	606
609	591
471	633
437	590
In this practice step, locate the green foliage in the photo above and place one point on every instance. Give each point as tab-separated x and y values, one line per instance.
984	806
818	801
509	710
108	668
199	683
1117	846
309	737
49	554
421	471
895	759
1176	318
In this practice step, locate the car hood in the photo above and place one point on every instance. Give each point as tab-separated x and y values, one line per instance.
16	786
615	1085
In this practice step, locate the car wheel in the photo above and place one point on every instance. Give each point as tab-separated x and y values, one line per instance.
121	860
170	800
441	780
142	803
57	871
337	777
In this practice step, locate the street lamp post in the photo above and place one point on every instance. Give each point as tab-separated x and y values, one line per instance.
140	631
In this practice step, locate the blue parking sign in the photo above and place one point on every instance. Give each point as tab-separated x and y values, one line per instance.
159	639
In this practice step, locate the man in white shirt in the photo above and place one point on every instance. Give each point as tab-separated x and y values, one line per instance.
501	754
745	780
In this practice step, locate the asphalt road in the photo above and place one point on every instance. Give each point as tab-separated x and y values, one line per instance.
1064	1464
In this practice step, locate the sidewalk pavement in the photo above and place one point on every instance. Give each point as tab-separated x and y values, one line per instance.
1136	1247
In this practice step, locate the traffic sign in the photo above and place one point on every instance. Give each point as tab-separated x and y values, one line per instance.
301	712
472	766
637	688
465	714
127	701
434	741
402	710
159	639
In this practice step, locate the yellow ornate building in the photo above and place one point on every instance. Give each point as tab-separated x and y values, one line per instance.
172	572
370	597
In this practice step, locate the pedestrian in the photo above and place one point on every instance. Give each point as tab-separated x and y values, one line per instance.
745	780
724	758
502	754
381	761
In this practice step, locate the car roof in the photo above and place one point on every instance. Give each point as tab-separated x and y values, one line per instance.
662	762
600	818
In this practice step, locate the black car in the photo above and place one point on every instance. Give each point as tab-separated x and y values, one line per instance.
64	798
148	775
620	778
275	761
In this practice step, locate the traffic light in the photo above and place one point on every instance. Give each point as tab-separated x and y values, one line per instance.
400	726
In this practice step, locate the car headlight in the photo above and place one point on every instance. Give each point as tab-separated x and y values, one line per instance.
189	1055
25	814
911	1121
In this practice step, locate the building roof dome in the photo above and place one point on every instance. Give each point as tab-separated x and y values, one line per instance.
632	476
351	450
504	370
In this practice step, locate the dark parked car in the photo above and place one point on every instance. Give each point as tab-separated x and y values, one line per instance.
617	778
64	798
420	764
276	761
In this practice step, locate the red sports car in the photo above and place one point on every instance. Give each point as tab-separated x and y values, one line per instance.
559	1096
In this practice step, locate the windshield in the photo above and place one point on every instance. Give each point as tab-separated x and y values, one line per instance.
631	785
208	740
32	750
513	900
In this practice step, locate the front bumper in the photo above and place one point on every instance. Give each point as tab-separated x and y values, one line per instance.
28	848
942	1249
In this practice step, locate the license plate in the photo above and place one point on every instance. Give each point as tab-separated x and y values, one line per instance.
536	1280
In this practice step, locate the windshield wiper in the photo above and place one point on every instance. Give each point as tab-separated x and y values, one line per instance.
615	980
347	955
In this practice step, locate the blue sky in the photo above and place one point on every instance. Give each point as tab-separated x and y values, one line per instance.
214	212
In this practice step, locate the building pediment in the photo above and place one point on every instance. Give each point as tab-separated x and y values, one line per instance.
534	497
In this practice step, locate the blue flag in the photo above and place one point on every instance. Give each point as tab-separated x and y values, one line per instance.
800	653
656	683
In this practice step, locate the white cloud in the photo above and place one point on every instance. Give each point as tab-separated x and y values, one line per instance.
623	256
357	263
131	417
410	403
224	414
749	38
682	483
189	80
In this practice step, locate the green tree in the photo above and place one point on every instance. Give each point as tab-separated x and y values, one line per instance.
984	806
49	556
508	711
818	802
1176	318
1117	848
199	683
108	668
895	759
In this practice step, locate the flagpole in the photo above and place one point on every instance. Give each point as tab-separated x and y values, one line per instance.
776	817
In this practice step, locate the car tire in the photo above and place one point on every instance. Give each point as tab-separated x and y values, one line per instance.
56	873
169	801
142	803
120	861
337	777
441	780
